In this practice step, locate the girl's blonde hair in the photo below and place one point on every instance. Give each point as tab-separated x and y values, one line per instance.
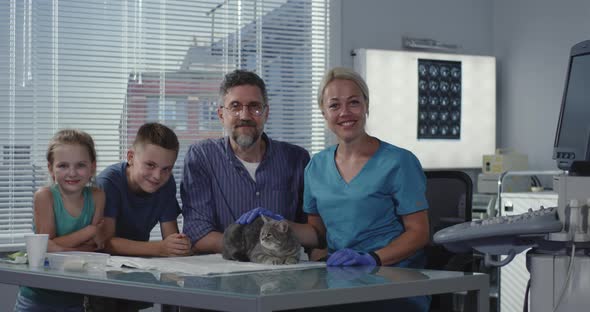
71	137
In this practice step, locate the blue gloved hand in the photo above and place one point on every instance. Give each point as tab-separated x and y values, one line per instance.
251	215
348	257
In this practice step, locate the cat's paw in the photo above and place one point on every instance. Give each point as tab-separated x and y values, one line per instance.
291	261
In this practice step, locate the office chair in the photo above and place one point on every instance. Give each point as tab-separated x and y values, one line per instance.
449	194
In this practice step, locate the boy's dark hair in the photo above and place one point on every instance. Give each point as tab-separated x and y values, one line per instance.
240	77
157	134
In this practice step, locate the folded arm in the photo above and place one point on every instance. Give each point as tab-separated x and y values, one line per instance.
415	237
44	223
212	242
311	234
172	243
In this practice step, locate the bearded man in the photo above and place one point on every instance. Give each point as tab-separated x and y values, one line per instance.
227	177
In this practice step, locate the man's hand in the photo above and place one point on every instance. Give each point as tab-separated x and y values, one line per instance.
251	215
175	245
348	257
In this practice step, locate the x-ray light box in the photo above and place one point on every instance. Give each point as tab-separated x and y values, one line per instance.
442	107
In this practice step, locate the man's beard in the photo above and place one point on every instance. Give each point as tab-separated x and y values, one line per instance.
245	140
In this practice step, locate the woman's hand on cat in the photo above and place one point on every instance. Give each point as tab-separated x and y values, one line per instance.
251	215
349	257
174	245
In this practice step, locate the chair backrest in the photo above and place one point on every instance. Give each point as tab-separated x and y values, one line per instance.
450	195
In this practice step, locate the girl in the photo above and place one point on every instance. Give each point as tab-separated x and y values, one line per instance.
69	211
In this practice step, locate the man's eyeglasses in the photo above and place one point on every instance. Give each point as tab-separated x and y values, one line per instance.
236	108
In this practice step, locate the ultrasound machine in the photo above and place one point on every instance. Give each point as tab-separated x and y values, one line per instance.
559	237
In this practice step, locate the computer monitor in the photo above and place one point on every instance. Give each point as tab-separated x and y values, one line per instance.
572	140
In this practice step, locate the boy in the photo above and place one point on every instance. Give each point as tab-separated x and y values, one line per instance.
140	193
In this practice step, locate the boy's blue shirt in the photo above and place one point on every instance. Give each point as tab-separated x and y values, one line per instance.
136	215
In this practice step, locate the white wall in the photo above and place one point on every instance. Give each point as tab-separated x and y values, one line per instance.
380	24
530	38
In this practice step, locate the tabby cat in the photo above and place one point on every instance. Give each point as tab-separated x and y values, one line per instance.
263	241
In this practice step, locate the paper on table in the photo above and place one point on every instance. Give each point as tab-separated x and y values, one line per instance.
202	265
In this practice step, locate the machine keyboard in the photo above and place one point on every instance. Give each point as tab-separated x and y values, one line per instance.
533	222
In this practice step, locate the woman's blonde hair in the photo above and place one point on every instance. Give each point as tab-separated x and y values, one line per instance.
343	73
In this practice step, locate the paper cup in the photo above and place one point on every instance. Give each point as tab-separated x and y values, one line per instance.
36	249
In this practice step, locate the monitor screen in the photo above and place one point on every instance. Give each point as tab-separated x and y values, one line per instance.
572	140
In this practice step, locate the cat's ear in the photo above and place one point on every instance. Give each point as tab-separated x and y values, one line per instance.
283	226
265	218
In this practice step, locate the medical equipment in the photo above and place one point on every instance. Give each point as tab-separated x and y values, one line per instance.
504	160
487	183
483	205
514	276
559	236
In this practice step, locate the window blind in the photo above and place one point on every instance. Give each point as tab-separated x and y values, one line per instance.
107	67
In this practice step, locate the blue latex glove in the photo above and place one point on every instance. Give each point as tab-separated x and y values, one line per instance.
251	215
348	257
